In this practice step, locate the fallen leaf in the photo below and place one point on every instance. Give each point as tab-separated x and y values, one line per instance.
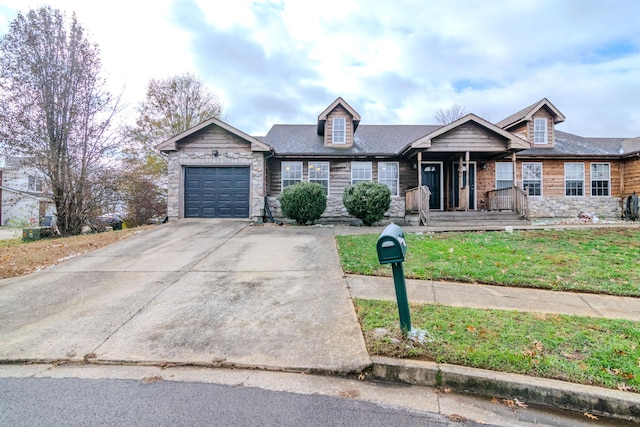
447	390
470	328
151	380
590	416
456	417
495	400
509	402
350	393
520	403
622	387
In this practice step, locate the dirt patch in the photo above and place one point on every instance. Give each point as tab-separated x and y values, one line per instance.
18	257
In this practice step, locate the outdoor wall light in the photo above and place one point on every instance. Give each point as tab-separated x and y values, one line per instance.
215	153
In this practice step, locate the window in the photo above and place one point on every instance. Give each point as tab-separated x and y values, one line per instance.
339	133
360	171
532	178
319	174
600	179
35	184
539	131
388	175
574	179
291	173
504	175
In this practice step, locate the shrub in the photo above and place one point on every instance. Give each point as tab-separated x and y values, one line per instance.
367	201
304	202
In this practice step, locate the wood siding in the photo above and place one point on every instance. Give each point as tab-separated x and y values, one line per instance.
468	137
542	113
214	138
552	177
339	111
340	174
631	176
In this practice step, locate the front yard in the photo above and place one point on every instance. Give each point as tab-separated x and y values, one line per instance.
598	260
18	257
583	350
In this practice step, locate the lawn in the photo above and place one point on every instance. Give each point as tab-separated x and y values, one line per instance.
597	260
585	350
18	257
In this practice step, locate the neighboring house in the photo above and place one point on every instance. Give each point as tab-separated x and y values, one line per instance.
23	201
520	164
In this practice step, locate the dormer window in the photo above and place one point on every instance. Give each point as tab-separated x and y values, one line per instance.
540	131
339	130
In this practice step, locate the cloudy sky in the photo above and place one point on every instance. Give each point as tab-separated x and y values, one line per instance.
392	61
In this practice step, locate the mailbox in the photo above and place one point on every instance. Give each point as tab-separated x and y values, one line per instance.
391	245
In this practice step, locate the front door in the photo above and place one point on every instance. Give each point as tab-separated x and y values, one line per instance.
432	178
471	175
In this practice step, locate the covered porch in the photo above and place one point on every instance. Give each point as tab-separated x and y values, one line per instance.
468	166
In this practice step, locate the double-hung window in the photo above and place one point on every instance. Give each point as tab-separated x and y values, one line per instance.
319	174
360	171
504	175
35	184
574	179
339	131
388	174
291	173
540	131
532	178
600	179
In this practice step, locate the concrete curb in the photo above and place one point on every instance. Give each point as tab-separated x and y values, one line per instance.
560	394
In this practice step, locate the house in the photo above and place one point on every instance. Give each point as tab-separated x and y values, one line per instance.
521	164
23	201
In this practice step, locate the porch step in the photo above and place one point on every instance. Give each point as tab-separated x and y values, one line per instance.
473	219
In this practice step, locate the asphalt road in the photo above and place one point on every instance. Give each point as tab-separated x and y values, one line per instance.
110	402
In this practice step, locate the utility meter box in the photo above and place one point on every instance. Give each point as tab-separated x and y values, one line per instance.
391	245
30	234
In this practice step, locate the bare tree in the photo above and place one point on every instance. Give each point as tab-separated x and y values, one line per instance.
56	111
451	114
171	106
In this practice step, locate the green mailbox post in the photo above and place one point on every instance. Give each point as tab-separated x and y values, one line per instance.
391	249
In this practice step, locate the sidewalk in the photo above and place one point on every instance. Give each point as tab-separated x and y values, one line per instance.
498	297
575	397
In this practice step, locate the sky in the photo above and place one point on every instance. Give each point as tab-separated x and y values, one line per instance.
394	62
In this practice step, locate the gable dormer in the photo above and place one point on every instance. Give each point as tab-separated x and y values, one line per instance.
337	124
536	123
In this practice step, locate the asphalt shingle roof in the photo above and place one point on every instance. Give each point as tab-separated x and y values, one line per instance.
368	140
391	140
515	117
567	144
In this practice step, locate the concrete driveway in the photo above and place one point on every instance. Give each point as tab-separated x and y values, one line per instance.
202	292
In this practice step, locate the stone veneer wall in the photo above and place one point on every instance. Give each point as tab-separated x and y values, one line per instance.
337	213
570	207
179	159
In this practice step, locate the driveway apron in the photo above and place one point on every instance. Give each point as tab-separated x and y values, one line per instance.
203	292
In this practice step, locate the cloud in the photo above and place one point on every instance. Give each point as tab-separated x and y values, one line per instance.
394	62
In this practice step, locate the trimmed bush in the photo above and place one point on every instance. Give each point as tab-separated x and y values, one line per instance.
303	202
367	201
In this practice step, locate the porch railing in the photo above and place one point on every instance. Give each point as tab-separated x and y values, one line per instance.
509	199
417	199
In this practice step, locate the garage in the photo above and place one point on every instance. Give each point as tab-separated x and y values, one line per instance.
216	192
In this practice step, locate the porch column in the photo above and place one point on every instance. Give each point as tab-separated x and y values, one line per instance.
419	168
460	182
513	161
466	193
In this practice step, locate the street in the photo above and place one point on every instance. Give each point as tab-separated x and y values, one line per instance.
73	395
111	402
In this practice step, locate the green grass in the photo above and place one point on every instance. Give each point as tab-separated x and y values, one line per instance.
587	260
585	350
